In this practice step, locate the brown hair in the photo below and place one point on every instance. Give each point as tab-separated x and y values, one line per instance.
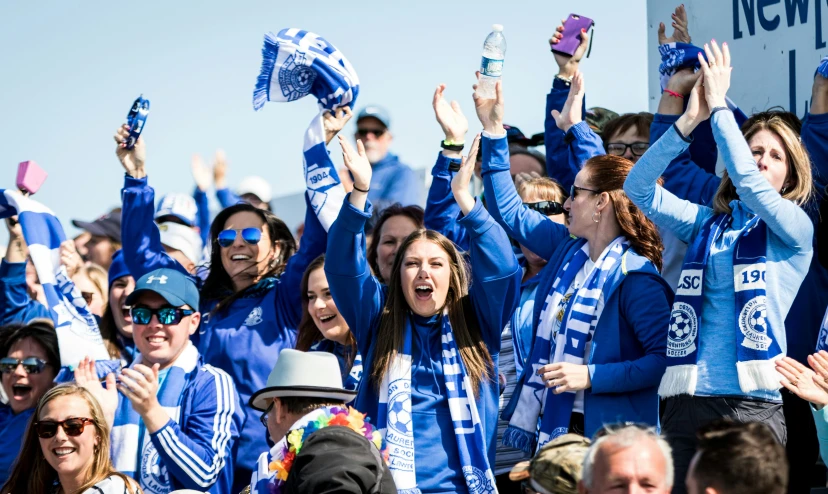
618	125
548	189
307	332
741	459
414	213
33	474
473	351
608	173
799	165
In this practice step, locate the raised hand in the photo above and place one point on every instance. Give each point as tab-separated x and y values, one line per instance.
698	110
86	377
800	381
357	163
490	111
131	159
202	174
571	112
683	81
333	123
681	31
220	170
460	181
716	73
568	65
70	258
450	117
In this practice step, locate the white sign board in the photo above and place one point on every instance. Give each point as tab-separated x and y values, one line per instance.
776	46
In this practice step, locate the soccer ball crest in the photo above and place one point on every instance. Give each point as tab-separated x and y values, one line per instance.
399	415
679	325
754	324
758	319
681	334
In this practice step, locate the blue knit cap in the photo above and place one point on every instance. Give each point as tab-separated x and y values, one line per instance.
118	268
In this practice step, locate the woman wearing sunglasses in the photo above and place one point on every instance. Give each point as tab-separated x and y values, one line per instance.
601	286
66	450
30	361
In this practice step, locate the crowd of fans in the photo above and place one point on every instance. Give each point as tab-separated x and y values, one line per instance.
639	309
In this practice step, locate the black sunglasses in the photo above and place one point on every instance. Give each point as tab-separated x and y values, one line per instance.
619	148
72	427
32	365
363	133
574	189
166	315
548	208
263	418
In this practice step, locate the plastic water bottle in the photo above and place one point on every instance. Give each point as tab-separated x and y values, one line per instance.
491	66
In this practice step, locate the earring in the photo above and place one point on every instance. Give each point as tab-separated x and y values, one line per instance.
599	216
784	189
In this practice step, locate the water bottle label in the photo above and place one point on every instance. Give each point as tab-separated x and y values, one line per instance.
491	67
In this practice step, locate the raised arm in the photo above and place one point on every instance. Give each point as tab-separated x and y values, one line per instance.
582	142
225	196
815	132
15	303
203	177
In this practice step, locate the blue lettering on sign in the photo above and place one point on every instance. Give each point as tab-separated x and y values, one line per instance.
767	24
770	20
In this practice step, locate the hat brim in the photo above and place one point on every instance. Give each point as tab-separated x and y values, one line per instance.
259	399
91	227
170	297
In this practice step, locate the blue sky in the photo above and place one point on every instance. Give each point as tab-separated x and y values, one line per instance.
72	69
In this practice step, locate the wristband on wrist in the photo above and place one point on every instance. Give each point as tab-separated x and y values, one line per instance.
452	146
674	94
363	191
718	108
566	80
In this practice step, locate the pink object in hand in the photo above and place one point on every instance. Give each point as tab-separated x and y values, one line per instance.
30	176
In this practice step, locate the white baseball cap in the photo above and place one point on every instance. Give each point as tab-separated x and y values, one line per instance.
179	237
179	205
257	186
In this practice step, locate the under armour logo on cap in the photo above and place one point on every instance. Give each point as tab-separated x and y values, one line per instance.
160	279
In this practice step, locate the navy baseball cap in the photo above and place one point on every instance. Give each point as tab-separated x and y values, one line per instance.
377	112
176	287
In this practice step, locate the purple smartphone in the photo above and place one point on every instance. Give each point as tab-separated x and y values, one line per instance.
572	29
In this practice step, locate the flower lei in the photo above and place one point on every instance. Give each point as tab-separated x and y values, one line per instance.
349	418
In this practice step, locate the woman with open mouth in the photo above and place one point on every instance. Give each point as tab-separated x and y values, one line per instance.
66	450
29	363
323	329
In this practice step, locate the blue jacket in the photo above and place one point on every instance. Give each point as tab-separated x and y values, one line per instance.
393	181
200	451
629	346
15	303
360	298
12	430
557	142
227	198
441	209
244	339
202	215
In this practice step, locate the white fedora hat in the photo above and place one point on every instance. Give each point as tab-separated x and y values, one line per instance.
304	374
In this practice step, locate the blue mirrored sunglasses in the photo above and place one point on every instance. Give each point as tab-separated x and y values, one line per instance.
166	315
249	235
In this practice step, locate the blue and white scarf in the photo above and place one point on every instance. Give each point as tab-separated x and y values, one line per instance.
395	422
756	349
822	342
297	63
141	461
77	329
577	323
354	374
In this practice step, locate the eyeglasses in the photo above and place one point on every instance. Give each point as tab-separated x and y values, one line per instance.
548	208
619	148
166	315
250	236
32	365
72	427
573	191
263	418
363	133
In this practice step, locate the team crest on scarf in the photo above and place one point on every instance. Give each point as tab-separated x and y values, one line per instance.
753	324
684	326
296	77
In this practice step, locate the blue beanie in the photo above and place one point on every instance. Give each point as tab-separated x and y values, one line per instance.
118	268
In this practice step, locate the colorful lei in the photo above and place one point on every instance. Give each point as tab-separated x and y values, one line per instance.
349	418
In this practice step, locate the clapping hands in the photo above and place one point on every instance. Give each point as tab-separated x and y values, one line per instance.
681	31
571	112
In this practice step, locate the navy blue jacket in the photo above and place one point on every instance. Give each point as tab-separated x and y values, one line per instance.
15	303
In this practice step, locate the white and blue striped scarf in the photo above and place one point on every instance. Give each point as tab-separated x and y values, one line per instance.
822	342
141	461
394	418
577	323
297	63
77	329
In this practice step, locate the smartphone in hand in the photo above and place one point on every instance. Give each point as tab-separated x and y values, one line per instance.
571	39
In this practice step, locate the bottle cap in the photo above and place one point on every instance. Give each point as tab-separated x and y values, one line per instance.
497	27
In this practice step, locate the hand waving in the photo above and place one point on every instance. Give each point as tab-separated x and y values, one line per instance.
571	112
70	258
335	122
86	377
357	163
450	117
220	170
131	159
716	73
460	181
490	111
202	174
681	32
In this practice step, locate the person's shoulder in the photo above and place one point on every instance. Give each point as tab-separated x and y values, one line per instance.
214	379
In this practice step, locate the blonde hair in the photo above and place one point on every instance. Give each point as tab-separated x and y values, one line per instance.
99	279
800	188
546	188
33	474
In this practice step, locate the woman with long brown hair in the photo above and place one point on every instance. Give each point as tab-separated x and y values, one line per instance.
430	338
66	450
599	349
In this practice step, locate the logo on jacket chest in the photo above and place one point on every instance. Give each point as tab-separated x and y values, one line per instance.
254	318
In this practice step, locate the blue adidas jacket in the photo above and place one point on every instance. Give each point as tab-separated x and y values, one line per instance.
246	338
199	452
361	298
15	303
628	353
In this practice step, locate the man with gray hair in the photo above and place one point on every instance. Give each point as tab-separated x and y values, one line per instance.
627	458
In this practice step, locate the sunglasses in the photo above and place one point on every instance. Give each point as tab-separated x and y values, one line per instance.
166	315
250	236
619	148
72	427
548	208
363	133
263	418
574	189
32	365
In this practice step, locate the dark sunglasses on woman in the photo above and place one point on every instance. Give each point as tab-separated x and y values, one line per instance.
166	315
72	427
251	236
32	365
548	208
